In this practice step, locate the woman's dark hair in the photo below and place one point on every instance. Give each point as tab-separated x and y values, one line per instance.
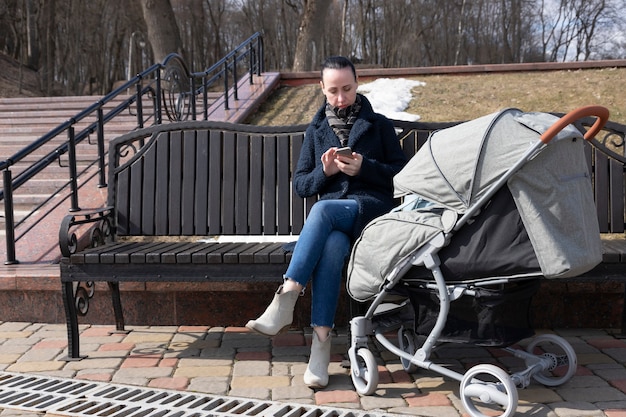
337	62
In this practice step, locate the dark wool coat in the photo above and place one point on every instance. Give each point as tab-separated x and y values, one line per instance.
374	137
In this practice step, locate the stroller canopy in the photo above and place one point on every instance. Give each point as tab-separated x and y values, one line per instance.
457	165
552	192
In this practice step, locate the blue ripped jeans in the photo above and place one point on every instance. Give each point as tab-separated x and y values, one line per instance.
320	254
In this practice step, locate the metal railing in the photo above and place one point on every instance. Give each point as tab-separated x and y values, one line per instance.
170	88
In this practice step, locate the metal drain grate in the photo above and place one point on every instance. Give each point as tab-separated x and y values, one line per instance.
43	394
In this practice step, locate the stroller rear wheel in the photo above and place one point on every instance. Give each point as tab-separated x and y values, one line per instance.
475	391
364	372
406	340
558	357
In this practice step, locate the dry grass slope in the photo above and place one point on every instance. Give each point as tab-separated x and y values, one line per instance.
465	97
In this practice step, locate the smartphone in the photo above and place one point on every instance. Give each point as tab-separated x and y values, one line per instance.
347	151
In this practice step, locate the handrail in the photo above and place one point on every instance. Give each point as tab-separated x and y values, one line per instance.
172	90
183	83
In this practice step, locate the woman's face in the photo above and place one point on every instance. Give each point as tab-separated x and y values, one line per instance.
339	87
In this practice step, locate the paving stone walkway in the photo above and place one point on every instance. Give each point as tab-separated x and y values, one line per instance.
231	361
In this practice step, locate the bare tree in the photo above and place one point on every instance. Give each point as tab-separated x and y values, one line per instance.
163	33
55	37
308	39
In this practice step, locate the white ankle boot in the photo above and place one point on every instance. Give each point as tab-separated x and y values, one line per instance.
316	375
278	316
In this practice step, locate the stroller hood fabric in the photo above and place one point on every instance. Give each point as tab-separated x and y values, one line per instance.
552	191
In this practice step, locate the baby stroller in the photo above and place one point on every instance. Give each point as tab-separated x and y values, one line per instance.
492	206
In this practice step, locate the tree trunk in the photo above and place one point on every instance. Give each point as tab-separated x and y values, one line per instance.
308	41
163	33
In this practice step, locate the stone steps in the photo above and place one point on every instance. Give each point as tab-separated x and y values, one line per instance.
24	120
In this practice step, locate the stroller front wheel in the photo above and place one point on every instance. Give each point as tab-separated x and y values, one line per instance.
485	393
364	372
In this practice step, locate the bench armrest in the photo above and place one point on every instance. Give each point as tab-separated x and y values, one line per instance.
96	224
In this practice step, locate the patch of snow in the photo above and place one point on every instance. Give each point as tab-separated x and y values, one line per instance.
391	96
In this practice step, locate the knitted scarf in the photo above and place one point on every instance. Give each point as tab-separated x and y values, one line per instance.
341	120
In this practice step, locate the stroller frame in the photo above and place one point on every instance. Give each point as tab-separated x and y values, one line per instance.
498	388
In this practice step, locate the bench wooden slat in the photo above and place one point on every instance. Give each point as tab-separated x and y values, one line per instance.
175	184
184	256
298	205
255	205
200	256
610	253
122	255
601	190
263	256
107	254
242	184
616	184
154	255
134	198
216	256
269	185
147	191
161	200
201	192
138	256
249	254
121	201
188	185
170	255
283	180
232	255
94	253
228	184
279	256
215	183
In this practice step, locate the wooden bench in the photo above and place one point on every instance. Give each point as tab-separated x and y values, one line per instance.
172	188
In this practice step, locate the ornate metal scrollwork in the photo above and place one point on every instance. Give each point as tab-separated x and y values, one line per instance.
83	292
100	231
98	224
177	95
611	142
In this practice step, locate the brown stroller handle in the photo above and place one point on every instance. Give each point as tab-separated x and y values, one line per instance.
602	113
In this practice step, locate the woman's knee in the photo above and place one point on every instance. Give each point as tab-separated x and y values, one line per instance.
337	244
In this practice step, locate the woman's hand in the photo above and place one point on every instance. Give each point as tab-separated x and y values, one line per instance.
334	163
328	162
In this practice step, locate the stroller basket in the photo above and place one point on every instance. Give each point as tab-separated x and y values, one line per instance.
495	316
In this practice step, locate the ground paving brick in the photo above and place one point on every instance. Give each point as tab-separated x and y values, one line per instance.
576	409
41	366
619	354
238	382
427	411
616	413
251	392
592	394
149	373
251	368
291	393
170	383
209	371
209	385
38	355
594	358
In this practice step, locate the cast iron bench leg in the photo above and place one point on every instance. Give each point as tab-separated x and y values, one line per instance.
71	320
114	287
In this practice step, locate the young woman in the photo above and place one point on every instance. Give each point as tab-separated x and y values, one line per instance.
354	186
